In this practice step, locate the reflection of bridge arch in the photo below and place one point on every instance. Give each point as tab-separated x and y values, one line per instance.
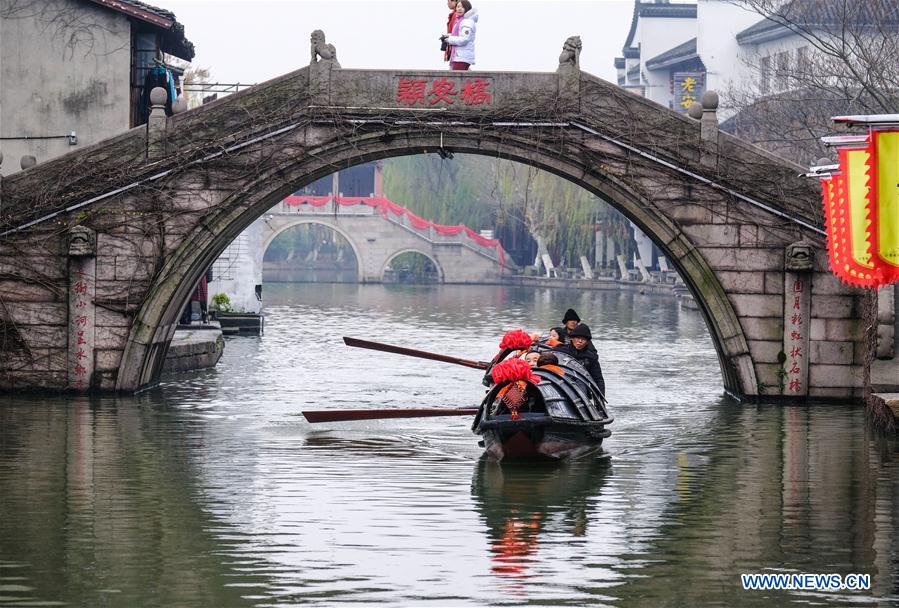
440	273
269	234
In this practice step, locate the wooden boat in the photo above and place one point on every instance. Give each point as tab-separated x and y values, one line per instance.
563	415
553	412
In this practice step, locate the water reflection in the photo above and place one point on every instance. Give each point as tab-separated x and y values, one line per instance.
98	506
212	490
517	501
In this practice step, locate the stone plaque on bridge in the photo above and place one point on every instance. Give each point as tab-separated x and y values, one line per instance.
797	305
82	312
82	286
522	94
444	91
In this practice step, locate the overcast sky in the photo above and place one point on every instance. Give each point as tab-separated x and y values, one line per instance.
250	41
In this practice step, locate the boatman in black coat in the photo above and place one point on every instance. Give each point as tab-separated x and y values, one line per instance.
581	349
569	322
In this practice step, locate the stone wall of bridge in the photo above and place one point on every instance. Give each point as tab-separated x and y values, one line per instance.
162	203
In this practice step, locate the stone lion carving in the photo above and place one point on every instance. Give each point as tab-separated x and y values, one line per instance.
571	52
82	241
322	50
800	256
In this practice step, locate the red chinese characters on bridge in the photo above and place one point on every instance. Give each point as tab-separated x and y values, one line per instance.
793	367
420	91
80	323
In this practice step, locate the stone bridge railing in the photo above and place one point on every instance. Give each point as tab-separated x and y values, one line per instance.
332	211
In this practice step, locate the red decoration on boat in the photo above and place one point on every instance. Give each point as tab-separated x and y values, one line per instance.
516	339
385	206
511	370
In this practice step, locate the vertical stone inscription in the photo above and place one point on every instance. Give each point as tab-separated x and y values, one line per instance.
82	311
797	318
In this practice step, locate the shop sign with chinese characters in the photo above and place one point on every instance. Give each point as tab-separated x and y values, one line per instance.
687	88
443	92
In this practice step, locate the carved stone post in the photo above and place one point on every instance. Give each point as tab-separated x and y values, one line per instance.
82	311
323	60
708	129
799	259
569	72
156	124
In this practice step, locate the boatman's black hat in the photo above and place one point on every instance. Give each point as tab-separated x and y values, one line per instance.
581	331
570	315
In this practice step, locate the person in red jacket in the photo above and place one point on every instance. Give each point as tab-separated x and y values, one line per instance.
450	22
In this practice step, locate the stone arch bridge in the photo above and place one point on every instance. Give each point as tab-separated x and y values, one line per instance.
100	248
376	238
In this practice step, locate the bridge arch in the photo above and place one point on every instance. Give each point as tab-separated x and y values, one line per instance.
170	197
293	223
441	274
143	356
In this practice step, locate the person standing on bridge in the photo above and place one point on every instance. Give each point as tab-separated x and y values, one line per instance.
450	22
461	41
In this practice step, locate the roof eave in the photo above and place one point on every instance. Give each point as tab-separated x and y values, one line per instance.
137	13
671	62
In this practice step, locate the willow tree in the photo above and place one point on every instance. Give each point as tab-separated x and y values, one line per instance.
504	196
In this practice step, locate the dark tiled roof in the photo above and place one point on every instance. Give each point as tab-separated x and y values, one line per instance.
677	11
679	54
619	63
651	9
822	15
151	9
173	40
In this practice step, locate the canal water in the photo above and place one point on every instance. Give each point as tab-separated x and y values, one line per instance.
212	490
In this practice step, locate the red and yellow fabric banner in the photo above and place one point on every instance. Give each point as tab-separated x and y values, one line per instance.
861	211
884	202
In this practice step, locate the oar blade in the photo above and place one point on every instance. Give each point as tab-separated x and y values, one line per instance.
315	416
411	352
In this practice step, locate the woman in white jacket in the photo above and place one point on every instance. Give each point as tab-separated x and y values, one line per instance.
462	38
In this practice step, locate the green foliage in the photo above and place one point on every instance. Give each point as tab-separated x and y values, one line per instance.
490	193
221	302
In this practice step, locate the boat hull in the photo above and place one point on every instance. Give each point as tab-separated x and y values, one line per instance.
540	437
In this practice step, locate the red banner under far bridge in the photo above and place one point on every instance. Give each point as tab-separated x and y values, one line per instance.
861	202
385	206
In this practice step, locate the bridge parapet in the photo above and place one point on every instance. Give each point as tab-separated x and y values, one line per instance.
160	223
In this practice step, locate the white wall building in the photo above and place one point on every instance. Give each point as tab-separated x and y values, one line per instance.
676	51
237	272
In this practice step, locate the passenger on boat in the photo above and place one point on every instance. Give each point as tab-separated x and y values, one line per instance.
531	357
557	334
551	362
580	348
569	322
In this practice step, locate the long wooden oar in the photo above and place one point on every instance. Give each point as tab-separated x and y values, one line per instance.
314	416
401	350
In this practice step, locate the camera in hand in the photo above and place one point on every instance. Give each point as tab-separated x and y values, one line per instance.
443	43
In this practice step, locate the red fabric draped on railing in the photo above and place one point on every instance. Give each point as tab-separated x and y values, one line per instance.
385	206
